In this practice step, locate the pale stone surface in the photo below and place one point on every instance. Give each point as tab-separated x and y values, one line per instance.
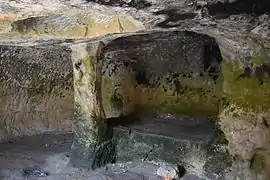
240	37
35	90
156	61
167	172
58	19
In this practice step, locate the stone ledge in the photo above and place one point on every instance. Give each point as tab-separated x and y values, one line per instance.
157	139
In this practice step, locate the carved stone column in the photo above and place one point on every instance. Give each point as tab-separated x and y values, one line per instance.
93	145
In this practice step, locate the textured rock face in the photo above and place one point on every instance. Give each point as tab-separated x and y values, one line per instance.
76	24
35	89
155	72
243	40
244	44
140	72
43	19
245	96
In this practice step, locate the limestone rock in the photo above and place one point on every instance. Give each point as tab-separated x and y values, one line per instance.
59	19
79	25
55	25
136	72
167	172
35	89
35	171
243	40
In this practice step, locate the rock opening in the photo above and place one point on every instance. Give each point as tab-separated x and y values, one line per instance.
160	94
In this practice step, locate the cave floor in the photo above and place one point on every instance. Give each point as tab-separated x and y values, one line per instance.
50	152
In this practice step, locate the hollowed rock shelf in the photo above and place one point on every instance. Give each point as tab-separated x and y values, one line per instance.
183	140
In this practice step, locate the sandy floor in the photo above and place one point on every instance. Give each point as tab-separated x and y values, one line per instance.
50	153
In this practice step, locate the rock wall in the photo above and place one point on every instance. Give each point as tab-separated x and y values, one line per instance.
244	116
72	23
243	40
134	75
244	44
167	72
240	98
177	72
36	92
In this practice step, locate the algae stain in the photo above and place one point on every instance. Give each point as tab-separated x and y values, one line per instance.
245	92
116	95
46	86
117	100
257	163
4	89
197	99
88	63
257	59
39	86
193	101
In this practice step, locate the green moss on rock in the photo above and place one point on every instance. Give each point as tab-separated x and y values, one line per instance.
46	86
196	101
257	163
257	59
245	92
88	63
3	91
193	101
116	95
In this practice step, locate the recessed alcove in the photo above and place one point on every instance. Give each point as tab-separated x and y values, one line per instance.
160	93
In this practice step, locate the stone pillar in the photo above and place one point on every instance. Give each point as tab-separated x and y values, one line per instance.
93	145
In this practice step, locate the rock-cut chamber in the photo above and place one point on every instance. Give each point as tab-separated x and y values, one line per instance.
149	96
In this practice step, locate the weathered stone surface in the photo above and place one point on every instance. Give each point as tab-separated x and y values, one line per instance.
161	71
118	51
148	72
76	24
55	25
93	145
138	4
244	44
59	19
183	140
36	92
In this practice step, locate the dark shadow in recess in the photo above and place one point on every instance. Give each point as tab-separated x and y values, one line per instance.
254	7
181	171
173	16
260	72
123	120
138	4
212	61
